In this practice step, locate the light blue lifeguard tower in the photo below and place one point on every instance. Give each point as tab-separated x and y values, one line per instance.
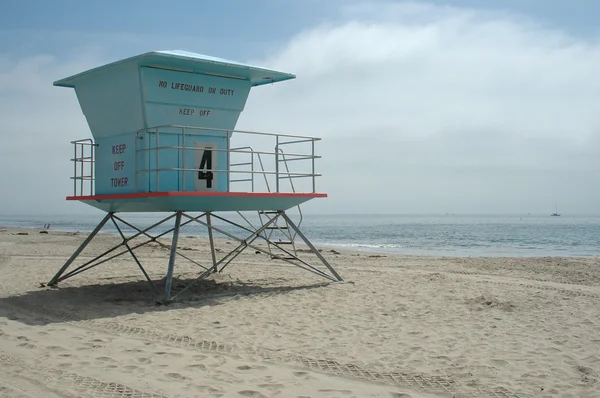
162	125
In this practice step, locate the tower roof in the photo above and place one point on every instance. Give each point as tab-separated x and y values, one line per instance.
184	61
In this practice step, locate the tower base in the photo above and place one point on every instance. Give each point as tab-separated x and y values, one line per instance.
166	294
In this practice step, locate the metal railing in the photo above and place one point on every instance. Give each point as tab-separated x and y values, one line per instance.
247	163
83	167
264	166
235	170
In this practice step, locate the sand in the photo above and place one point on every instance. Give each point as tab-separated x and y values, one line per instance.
399	326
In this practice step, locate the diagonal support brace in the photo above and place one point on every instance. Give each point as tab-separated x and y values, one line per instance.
74	256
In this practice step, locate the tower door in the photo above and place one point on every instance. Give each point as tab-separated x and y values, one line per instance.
205	161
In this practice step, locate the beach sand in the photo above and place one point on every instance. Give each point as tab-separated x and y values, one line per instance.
399	326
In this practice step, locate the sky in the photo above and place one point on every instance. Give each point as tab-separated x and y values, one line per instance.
462	106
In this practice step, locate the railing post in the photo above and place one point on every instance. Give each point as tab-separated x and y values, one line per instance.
252	168
183	155
135	159
75	170
277	163
81	169
156	168
92	160
313	166
229	134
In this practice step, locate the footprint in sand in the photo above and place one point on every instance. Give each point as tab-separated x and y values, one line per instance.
275	388
94	344
144	360
399	395
105	359
199	357
212	390
303	375
56	348
176	376
197	366
170	354
549	350
345	392
248	367
27	345
130	368
252	394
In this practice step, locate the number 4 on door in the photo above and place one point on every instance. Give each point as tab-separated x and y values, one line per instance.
206	163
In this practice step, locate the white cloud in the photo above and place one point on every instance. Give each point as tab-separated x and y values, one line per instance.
422	109
492	106
38	123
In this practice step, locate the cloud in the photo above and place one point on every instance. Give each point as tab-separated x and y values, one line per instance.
422	109
38	123
491	105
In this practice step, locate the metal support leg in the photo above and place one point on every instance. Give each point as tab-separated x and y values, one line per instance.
155	238
91	236
169	279
258	233
255	233
311	246
243	245
212	242
137	261
92	263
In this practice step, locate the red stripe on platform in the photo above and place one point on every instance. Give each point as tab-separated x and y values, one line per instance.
143	195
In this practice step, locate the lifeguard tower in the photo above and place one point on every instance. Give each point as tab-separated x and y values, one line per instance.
162	125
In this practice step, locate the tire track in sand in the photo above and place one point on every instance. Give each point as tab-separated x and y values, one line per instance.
89	386
523	283
421	382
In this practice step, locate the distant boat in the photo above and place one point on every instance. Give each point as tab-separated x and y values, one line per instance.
556	213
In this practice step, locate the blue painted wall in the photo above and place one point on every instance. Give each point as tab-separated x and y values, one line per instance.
115	164
188	99
174	158
197	90
110	101
121	100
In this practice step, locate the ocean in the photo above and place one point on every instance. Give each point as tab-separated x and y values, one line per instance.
435	235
